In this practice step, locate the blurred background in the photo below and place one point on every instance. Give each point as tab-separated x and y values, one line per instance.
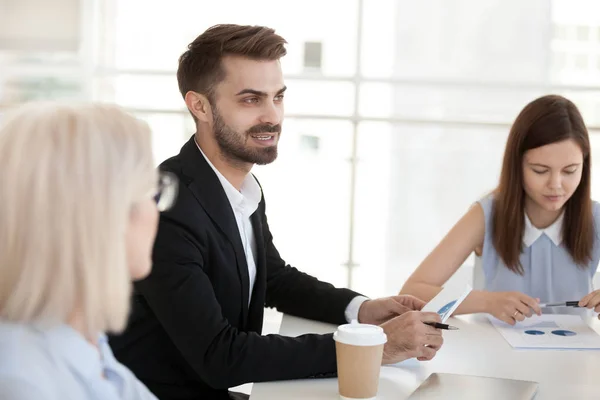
397	111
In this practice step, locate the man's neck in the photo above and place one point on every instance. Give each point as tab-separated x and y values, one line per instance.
234	172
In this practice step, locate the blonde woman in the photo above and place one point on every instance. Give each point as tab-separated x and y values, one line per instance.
78	217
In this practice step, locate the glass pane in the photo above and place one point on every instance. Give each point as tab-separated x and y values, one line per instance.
20	61
38	25
169	133
140	45
595	144
302	97
38	75
446	102
158	92
379	32
501	40
19	89
376	100
413	184
575	42
319	98
588	103
307	191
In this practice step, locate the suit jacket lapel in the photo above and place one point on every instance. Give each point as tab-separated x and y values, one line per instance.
209	192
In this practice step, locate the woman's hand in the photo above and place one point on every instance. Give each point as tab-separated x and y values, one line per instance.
512	307
591	301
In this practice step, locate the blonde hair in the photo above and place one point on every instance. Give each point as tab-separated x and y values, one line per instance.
70	177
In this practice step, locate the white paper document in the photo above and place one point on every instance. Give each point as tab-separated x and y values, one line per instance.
549	331
447	301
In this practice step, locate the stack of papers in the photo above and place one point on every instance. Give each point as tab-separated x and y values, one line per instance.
549	331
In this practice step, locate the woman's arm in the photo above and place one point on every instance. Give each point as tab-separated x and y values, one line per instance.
464	238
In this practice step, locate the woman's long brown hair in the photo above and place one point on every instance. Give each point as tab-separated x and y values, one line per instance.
548	119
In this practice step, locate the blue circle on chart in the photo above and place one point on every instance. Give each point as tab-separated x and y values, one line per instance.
534	332
562	332
442	311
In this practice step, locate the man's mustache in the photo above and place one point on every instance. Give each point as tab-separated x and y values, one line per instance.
264	128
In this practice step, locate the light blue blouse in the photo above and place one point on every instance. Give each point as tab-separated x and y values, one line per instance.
550	273
59	364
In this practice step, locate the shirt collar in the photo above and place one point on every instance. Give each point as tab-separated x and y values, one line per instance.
554	231
245	200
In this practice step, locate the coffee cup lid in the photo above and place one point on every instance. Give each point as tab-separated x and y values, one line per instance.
360	334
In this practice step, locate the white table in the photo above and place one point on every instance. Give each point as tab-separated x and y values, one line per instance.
476	349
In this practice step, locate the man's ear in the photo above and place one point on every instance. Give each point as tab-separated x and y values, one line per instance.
198	105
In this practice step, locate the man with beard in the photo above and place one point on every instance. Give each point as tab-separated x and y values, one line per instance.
195	328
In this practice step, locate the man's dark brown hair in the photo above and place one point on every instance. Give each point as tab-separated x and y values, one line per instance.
200	67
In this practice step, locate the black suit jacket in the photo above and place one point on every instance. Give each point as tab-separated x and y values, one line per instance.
192	334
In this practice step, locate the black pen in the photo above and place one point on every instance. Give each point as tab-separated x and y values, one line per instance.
441	326
564	304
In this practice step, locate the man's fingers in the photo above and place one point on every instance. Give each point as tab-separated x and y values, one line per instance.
431	331
426	353
399	309
411	302
430	317
434	341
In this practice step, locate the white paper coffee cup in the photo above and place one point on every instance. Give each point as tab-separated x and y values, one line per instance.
359	351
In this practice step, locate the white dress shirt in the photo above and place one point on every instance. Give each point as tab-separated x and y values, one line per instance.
244	203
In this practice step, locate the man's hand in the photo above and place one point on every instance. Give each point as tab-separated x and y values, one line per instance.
378	311
408	337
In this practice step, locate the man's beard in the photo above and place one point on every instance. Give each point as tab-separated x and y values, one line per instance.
233	144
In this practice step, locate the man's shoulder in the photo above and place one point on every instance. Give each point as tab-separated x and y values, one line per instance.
175	164
172	164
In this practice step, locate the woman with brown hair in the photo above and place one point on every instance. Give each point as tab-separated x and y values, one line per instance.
538	233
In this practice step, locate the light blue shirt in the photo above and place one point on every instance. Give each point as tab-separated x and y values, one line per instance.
550	273
59	364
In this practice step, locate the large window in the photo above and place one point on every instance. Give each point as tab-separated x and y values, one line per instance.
397	110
